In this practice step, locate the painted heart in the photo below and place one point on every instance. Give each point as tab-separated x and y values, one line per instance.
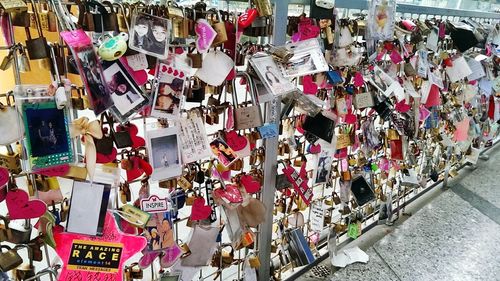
310	87
176	72
20	207
170	70
163	68
231	194
145	166
246	19
250	184
223	175
205	35
236	141
140	76
135	171
200	211
106	158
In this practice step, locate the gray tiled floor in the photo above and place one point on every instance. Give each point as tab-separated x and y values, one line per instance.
454	237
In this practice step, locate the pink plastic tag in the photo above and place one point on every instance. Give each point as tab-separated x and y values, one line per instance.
359	81
395	57
76	38
205	35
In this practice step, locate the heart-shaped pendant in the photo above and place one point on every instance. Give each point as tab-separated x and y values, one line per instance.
250	184
20	207
236	141
200	211
246	19
230	194
205	35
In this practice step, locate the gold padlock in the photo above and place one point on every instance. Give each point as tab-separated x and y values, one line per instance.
254	261
9	259
11	161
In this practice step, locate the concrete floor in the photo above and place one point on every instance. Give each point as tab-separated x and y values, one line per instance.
453	234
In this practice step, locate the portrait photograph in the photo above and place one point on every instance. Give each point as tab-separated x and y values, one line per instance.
271	76
164	153
168	98
95	85
159	232
223	152
48	141
322	173
126	96
150	35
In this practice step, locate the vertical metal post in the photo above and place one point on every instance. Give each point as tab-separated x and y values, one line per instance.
273	109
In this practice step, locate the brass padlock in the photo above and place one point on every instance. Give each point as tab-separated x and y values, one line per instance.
263	7
24	271
254	261
133	271
41	183
23	63
11	161
64	210
13	6
168	184
5	231
9	259
219	26
22	235
37	48
7	60
77	101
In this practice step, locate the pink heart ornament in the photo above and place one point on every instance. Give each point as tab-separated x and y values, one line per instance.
205	35
231	194
359	81
235	141
20	207
310	88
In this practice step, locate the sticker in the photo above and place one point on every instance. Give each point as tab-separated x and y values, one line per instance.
268	131
95	256
154	204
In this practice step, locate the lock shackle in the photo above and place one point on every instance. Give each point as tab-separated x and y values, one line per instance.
49	270
37	19
121	8
249	82
30	252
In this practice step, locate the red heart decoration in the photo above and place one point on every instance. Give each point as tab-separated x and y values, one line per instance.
250	184
314	148
310	87
57	171
163	68
402	106
246	19
20	207
359	81
231	193
350	118
145	166
140	76
4	176
236	141
103	158
136	171
132	130
200	211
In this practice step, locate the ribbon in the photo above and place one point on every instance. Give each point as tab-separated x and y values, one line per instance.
90	130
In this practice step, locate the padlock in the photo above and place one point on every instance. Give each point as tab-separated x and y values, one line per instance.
52	20
23	63
254	261
185	250
41	183
281	54
133	271
13	6
246	117
179	24
11	161
21	236
7	60
77	100
219	26
37	48
121	14
5	231
196	58
9	259
21	19
24	271
168	184
263	7
195	91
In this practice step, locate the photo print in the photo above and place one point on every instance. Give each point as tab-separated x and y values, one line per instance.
150	34
223	152
164	153
48	140
126	95
271	76
93	79
307	59
322	173
159	232
169	93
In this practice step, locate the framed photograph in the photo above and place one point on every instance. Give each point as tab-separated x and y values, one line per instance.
159	232
48	142
164	153
271	77
168	97
93	79
223	152
127	98
171	276
149	34
322	173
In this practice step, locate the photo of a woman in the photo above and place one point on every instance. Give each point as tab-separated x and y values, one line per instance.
169	95
150	35
224	153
